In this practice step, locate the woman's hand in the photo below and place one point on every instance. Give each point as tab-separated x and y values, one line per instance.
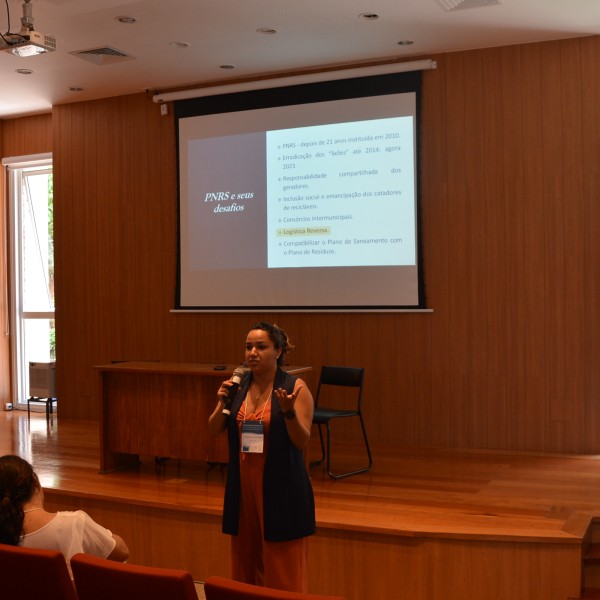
217	421
287	402
223	390
300	401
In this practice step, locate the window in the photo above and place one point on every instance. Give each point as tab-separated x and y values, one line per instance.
30	188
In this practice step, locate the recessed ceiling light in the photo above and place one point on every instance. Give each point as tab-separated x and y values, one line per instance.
126	20
24	71
266	30
179	45
368	16
226	67
405	43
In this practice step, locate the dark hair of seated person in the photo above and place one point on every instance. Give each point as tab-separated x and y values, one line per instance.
18	483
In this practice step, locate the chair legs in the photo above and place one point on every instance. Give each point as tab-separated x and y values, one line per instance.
323	455
327	453
48	402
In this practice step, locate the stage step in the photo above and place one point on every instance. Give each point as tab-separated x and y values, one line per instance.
591	566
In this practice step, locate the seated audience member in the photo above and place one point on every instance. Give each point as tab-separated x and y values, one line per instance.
25	522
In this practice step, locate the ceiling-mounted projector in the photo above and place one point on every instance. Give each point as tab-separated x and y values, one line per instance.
27	42
30	43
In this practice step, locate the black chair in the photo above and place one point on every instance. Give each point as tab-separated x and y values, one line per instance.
347	377
48	401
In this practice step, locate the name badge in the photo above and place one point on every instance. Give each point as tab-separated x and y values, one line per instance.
253	437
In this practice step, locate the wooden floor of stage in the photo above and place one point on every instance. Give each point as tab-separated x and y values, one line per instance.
407	492
431	493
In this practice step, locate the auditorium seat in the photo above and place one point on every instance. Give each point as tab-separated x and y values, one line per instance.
221	588
32	574
101	579
347	405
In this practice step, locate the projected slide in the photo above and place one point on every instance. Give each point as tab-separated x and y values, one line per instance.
341	195
303	205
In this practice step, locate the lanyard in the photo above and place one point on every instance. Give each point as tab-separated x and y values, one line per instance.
253	432
262	413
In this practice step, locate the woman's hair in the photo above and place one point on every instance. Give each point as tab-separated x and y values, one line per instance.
18	483
278	336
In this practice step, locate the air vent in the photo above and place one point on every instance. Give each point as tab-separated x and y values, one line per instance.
450	5
102	56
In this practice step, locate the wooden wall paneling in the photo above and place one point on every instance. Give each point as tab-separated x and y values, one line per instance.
89	194
388	396
211	333
512	165
414	397
464	569
497	368
515	369
27	135
162	138
134	255
590	58
142	184
86	261
534	337
475	344
117	207
458	251
358	562
38	134
148	224
554	219
117	272
476	296
425	337
106	159
132	193
573	408
161	152
430	360
428	351
72	249
233	332
390	405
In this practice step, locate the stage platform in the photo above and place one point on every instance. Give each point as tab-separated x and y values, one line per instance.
421	525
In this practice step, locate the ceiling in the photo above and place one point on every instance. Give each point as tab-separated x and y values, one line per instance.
252	38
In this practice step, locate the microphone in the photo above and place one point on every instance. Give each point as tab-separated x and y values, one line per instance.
236	378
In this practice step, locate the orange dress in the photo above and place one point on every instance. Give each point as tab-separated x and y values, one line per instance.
280	565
